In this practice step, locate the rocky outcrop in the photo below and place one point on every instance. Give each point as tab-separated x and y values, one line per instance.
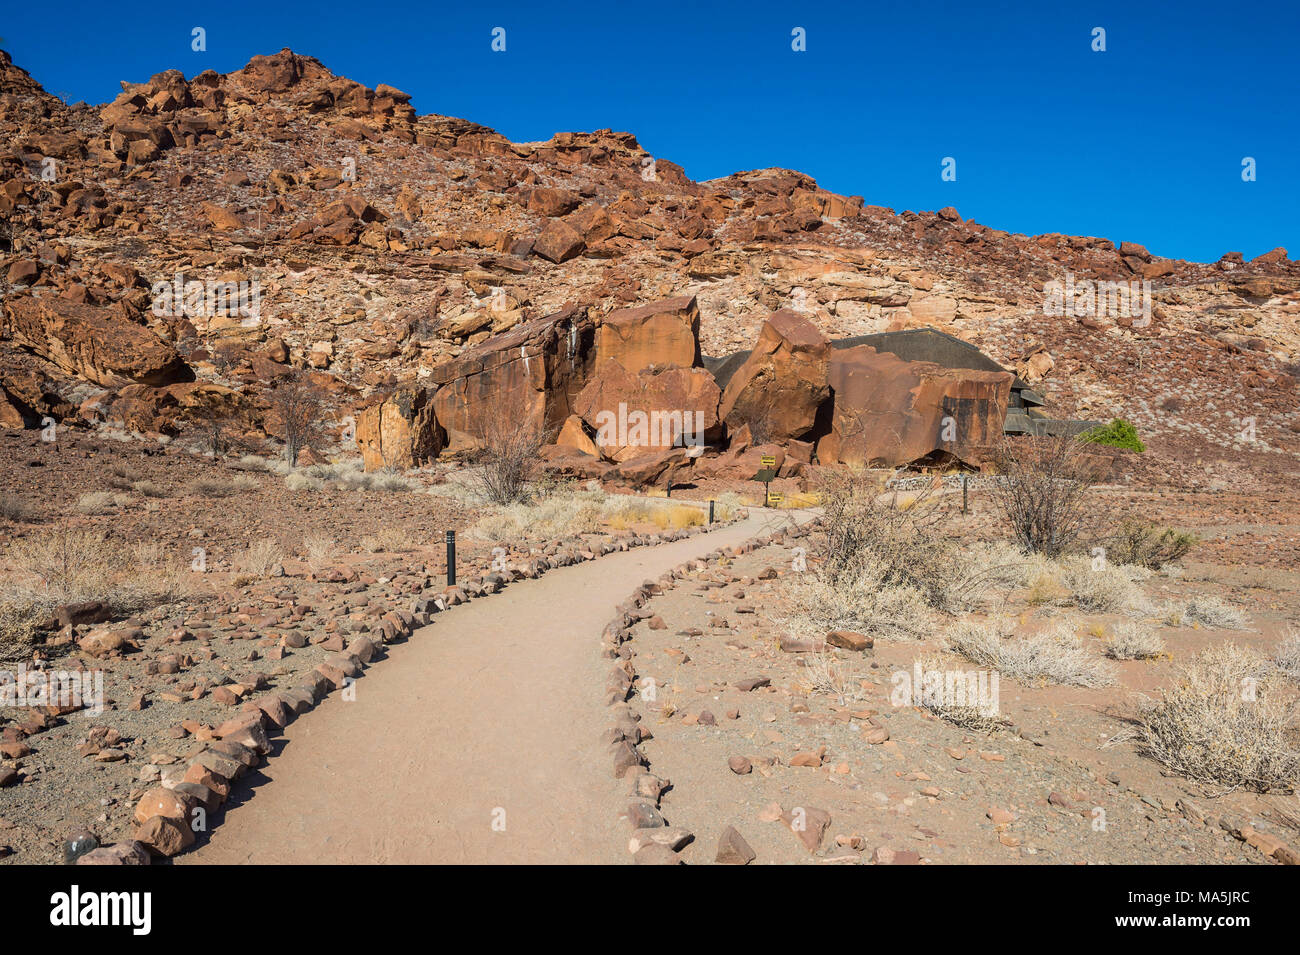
889	412
644	413
658	334
97	344
400	431
527	377
779	388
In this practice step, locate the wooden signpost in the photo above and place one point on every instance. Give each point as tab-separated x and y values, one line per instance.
767	474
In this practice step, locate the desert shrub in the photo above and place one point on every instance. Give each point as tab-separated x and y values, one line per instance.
1054	655
826	673
1105	589
1224	722
1041	492
63	565
388	539
100	502
1117	434
898	542
149	489
123	476
297	410
317	551
213	488
258	559
511	442
297	481
1134	641
1287	655
1144	544
15	508
1205	611
813	605
969	715
561	514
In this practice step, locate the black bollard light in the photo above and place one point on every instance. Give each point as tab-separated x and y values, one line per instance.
451	558
710	511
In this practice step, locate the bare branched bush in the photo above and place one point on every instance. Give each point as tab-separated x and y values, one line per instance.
511	441
298	410
1055	655
826	673
899	539
1226	723
1134	641
1041	491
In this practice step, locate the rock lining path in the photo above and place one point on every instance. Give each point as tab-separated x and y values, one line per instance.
498	704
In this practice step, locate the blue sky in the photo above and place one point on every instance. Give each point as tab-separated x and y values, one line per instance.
1144	141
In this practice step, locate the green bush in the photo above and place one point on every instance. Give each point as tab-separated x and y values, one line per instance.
1148	545
1118	434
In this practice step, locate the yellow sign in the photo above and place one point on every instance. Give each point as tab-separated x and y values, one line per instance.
775	497
769	460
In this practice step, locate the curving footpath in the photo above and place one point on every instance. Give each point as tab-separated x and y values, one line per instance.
478	741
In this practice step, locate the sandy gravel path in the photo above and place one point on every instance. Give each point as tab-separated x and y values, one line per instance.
491	713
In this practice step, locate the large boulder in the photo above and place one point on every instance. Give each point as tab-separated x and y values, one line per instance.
780	387
634	414
98	344
889	412
526	377
400	431
658	334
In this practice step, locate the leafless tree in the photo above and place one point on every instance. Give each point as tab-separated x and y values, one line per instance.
298	408
1042	490
511	442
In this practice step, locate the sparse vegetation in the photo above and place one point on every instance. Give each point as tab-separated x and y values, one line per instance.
1287	655
1225	722
1134	641
1041	492
511	441
298	410
64	565
1144	544
1054	655
258	559
1117	434
15	509
100	502
1205	611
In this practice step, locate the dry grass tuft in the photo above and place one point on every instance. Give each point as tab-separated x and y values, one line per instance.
1055	655
1225	723
1134	641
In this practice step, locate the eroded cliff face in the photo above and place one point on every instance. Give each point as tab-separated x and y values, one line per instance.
312	223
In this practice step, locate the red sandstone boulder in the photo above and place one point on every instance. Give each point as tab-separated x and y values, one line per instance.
658	334
889	412
97	344
400	431
779	388
637	414
558	241
528	376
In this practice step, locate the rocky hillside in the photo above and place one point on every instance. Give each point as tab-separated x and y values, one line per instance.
375	246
